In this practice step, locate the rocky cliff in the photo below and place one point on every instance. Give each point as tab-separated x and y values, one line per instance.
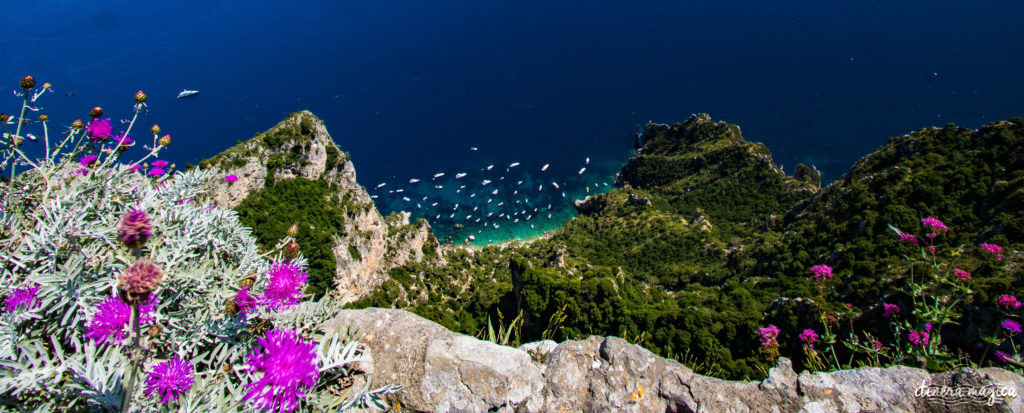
366	246
448	372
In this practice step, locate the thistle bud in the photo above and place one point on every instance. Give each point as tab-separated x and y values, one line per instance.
293	231
165	140
134	229
228	369
4	117
44	117
77	124
140	97
47	85
231	308
155	129
248	281
96	112
28	82
291	251
155	331
18	141
136	282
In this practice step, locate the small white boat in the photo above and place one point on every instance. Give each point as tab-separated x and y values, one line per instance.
413	180
186	93
582	171
545	167
460	175
514	164
438	175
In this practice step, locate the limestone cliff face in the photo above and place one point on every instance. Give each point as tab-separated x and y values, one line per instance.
442	371
300	146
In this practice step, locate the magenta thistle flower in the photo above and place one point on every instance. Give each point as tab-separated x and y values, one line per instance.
1011	326
934	225
918	338
961	274
1003	357
768	335
285	285
908	238
822	272
809	337
159	163
1008	302
244	301
87	160
112	318
288	364
99	129
21	298
890	309
931	249
169	380
993	249
124	139
134	168
231	178
155	172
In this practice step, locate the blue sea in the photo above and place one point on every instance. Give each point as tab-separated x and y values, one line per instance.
409	88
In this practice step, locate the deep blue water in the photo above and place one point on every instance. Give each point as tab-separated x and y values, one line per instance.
408	87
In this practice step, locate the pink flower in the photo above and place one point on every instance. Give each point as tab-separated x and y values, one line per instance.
809	337
928	327
112	317
87	160
931	249
768	335
244	301
908	238
918	338
993	249
169	380
288	366
934	225
1003	357
822	272
285	286
231	178
155	172
123	139
890	309
1011	326
23	298
134	168
961	274
99	129
877	344
159	163
1008	302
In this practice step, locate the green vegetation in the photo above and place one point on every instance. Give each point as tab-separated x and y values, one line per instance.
314	206
706	239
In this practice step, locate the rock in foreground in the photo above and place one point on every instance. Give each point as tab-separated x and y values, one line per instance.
444	371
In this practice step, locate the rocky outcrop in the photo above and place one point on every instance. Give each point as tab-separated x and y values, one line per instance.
300	146
447	372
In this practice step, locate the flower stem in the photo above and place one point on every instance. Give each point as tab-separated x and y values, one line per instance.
128	385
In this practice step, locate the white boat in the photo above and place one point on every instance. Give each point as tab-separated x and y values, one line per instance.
186	93
545	167
460	175
413	180
438	175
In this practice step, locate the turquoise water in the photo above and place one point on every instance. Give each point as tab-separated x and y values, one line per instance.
409	87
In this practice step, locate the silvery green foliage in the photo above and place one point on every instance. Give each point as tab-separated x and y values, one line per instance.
66	243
